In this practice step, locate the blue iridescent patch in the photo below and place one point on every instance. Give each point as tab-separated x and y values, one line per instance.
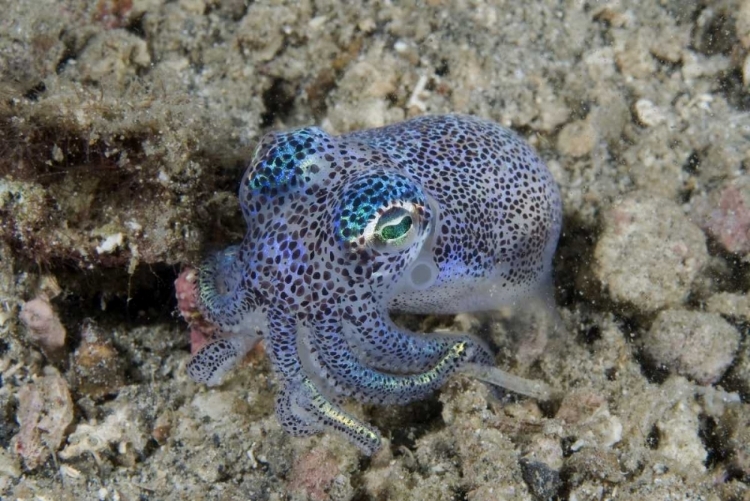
364	196
287	163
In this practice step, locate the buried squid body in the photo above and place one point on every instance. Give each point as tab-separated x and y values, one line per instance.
439	214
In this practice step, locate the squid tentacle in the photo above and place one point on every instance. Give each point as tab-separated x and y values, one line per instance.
343	371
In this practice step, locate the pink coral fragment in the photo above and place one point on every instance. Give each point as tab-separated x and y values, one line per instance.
313	474
45	411
186	291
729	223
725	215
201	330
44	326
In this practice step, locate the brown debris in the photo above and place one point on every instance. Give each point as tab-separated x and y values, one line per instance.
45	410
99	370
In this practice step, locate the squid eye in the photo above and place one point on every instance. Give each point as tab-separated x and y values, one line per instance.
393	226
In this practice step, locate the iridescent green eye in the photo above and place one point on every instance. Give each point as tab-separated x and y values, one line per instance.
394	227
396	230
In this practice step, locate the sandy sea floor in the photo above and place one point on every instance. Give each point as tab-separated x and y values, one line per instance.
125	126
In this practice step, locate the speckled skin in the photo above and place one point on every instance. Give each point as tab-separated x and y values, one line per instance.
439	214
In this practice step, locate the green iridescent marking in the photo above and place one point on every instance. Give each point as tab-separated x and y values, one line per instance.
363	434
456	352
396	384
396	231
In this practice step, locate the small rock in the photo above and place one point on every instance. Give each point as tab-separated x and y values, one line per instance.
725	215
316	473
649	253
99	368
8	466
540	466
738	376
648	114
743	26
697	345
592	464
730	305
547	450
162	428
577	139
634	59
679	442
656	166
587	417
578	405
215	405
45	410
588	491
113	56
736	428
111	243
543	481
122	428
